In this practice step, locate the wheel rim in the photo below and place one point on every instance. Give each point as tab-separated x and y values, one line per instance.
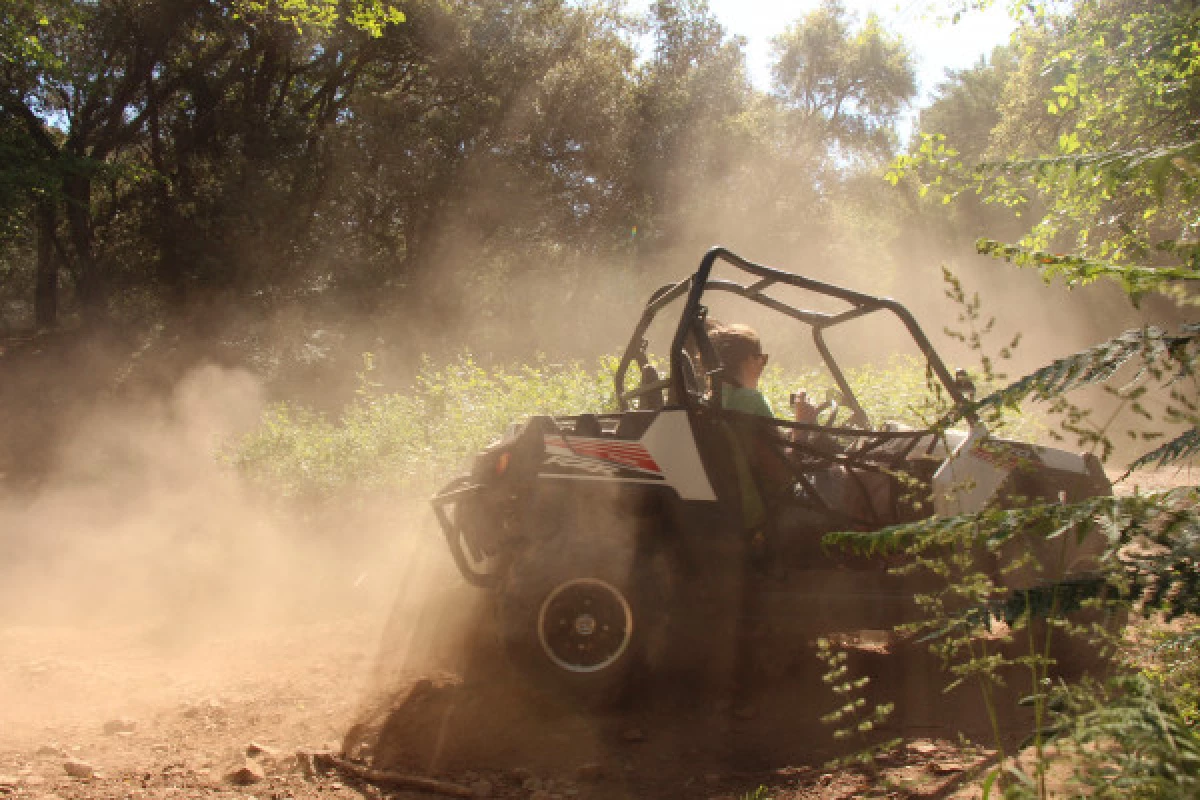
585	625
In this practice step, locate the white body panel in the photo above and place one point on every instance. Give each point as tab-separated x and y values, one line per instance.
965	482
979	466
669	439
665	455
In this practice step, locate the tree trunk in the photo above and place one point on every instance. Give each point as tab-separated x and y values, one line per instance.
45	296
89	284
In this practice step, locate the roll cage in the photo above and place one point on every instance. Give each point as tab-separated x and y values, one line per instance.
683	385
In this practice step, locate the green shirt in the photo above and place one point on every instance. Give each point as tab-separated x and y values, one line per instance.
749	401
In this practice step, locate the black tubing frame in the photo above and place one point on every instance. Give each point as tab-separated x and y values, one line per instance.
699	282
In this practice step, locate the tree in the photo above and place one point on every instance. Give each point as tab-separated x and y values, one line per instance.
1097	132
1119	184
96	87
843	87
685	137
966	107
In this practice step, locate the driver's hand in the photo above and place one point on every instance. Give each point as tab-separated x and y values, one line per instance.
803	408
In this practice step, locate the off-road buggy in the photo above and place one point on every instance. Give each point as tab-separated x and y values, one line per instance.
611	540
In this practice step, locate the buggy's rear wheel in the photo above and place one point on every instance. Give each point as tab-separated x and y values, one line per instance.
573	613
585	625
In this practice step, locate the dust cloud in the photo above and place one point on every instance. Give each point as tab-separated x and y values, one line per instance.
142	524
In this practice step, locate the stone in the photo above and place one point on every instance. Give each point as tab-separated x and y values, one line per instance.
591	773
531	785
122	725
250	772
521	774
51	751
634	735
946	767
922	748
541	794
77	768
481	789
712	779
256	750
8	782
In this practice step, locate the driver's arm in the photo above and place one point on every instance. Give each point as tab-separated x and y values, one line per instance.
803	411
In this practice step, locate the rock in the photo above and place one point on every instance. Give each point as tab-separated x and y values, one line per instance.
256	750
946	767
248	773
591	772
8	782
531	785
51	751
521	774
541	794
712	779
481	789
923	748
122	725
634	735
78	768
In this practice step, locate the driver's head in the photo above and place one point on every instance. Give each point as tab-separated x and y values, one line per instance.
741	353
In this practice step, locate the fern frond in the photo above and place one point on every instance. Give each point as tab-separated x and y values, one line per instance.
1163	568
1182	447
1093	365
1131	739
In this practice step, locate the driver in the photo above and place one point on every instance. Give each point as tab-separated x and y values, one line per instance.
760	473
740	349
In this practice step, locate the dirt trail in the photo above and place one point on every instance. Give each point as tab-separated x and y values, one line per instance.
157	716
163	720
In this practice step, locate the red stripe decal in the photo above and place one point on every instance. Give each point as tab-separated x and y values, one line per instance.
629	454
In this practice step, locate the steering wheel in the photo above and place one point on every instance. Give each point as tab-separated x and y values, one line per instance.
830	408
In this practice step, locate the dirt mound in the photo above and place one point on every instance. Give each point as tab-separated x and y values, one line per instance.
667	735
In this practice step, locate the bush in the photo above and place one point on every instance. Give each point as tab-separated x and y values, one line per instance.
400	441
